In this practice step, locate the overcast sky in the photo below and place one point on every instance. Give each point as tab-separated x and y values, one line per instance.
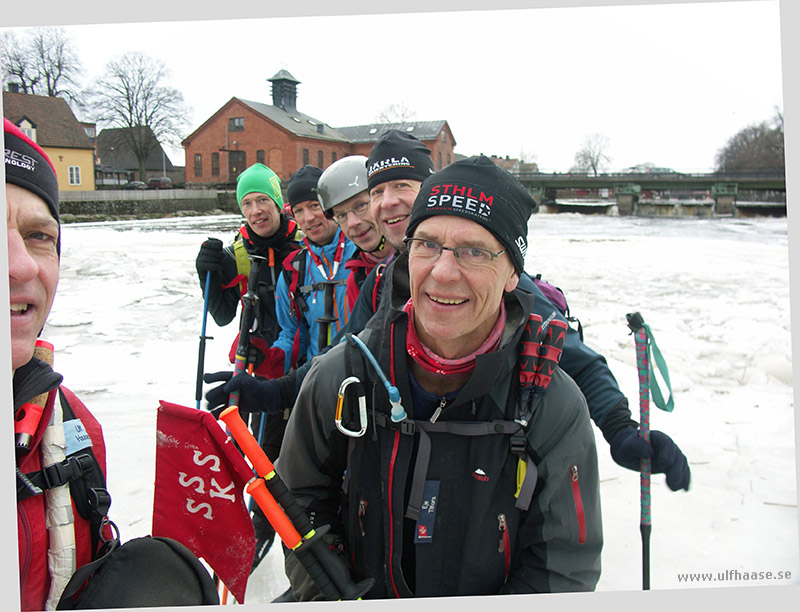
666	84
579	79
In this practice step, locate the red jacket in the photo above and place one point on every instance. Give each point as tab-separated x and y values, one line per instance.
31	527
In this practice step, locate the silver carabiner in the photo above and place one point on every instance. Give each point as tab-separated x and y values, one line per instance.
362	409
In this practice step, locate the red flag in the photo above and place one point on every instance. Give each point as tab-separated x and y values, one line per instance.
198	499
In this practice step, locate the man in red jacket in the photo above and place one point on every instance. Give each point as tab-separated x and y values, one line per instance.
59	444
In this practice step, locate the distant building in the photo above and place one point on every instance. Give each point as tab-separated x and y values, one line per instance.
117	163
435	134
243	132
515	166
52	125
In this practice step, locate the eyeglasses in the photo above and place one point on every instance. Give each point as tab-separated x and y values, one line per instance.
466	256
360	210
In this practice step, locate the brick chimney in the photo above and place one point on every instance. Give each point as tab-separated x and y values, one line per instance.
284	91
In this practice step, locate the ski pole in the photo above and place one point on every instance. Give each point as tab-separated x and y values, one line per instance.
636	324
539	353
528	356
289	519
201	356
550	352
249	308
327	318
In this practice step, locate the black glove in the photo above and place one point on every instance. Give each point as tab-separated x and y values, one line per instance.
627	448
255	394
210	257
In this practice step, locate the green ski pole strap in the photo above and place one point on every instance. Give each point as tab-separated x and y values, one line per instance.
658	359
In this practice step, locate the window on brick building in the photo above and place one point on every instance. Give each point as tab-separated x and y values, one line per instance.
333	157
440	160
236	124
305	156
444	136
260	156
215	164
198	164
320	160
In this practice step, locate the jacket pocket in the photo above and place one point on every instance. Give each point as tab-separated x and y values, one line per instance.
576	496
504	545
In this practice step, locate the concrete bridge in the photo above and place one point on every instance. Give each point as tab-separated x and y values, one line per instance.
728	193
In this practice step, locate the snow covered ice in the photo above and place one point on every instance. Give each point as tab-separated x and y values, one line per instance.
128	313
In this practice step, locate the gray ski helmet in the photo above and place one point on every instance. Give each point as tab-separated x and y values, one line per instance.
342	180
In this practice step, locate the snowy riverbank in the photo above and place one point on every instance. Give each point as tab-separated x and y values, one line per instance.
127	318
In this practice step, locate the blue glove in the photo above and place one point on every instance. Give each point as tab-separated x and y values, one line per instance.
255	394
627	448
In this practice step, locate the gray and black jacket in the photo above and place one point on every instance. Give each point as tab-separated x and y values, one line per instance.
474	538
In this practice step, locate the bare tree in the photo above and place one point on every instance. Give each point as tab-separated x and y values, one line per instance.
758	147
527	162
44	63
57	62
18	65
396	112
131	95
592	157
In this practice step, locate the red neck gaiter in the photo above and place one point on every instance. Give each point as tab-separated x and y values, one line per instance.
441	366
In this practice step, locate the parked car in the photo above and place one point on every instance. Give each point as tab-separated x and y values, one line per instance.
160	182
135	185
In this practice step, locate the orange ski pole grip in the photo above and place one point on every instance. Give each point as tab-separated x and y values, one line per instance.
277	517
247	442
28	416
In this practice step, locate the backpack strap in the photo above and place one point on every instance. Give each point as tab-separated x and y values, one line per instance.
295	265
87	483
376	293
56	475
242	263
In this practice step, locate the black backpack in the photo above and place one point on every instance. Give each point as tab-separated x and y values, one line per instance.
143	572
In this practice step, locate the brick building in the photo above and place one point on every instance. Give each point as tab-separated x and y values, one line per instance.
244	132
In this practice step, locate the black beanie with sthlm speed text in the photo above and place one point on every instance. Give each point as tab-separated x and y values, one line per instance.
479	190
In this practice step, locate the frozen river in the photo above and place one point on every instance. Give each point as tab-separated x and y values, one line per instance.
128	314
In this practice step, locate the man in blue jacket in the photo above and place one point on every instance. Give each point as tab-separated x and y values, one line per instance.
311	292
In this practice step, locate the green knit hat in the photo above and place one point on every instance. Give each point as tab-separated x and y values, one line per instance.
259	178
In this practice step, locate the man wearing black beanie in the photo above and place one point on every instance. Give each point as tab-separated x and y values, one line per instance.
396	167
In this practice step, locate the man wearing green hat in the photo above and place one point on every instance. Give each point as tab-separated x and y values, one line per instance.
269	233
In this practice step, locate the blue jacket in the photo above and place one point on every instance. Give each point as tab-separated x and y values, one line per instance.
308	297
